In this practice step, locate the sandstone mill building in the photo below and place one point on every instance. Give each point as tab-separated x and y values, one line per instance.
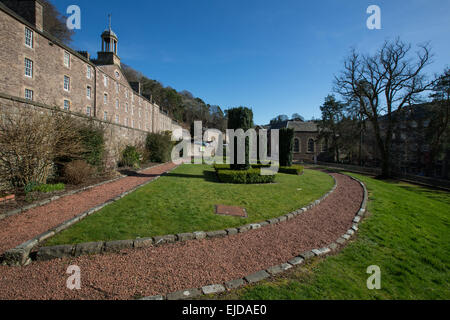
38	70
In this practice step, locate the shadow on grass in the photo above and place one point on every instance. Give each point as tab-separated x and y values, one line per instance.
132	173
430	193
209	176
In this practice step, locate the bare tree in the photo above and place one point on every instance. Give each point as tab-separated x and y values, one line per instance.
30	141
383	84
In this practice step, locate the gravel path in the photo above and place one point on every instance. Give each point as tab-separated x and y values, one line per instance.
169	268
17	229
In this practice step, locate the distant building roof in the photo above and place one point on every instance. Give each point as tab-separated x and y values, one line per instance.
298	126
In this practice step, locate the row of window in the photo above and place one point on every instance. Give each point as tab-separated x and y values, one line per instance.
105	101
117	86
29	42
28	64
105	114
310	145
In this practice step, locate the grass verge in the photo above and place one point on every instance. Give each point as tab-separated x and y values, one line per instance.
184	201
407	234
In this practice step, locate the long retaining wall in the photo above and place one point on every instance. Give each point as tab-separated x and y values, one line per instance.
117	136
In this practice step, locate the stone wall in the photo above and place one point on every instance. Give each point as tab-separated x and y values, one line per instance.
116	136
303	154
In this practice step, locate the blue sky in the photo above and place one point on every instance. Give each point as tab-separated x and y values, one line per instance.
277	57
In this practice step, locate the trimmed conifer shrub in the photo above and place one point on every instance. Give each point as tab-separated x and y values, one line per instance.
286	146
240	118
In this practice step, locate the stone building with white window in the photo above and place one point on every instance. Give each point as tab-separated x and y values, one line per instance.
37	68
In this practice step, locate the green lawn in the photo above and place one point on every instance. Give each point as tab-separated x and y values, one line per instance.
407	235
184	201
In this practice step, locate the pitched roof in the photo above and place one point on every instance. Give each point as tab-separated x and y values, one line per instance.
303	126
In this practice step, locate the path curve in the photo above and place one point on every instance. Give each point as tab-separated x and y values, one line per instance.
192	264
17	229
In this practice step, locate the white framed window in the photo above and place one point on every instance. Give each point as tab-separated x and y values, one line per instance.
67	59
28	37
28	68
117	87
28	94
132	110
132	98
88	72
126	93
117	119
105	115
66	83
66	105
105	80
132	123
88	111
126	122
88	92
117	103
105	98
126	107
139	112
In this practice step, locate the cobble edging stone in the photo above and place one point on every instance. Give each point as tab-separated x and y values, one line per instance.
172	238
273	270
20	255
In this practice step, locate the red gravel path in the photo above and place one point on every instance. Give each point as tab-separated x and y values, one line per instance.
169	268
17	229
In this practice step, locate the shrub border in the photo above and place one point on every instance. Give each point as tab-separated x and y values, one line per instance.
20	255
75	250
188	294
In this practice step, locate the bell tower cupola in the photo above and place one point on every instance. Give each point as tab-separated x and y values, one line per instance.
108	55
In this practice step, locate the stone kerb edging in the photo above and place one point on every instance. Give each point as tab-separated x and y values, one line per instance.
271	271
60	251
47	201
20	255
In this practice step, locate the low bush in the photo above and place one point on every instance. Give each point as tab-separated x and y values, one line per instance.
294	169
47	188
130	157
92	138
250	176
221	167
159	147
30	141
78	171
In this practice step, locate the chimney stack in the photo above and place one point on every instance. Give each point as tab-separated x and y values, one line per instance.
30	10
136	86
85	54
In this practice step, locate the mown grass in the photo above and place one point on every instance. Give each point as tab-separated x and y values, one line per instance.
184	201
407	234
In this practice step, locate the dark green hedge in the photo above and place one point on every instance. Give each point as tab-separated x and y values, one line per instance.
250	176
294	169
286	146
159	147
